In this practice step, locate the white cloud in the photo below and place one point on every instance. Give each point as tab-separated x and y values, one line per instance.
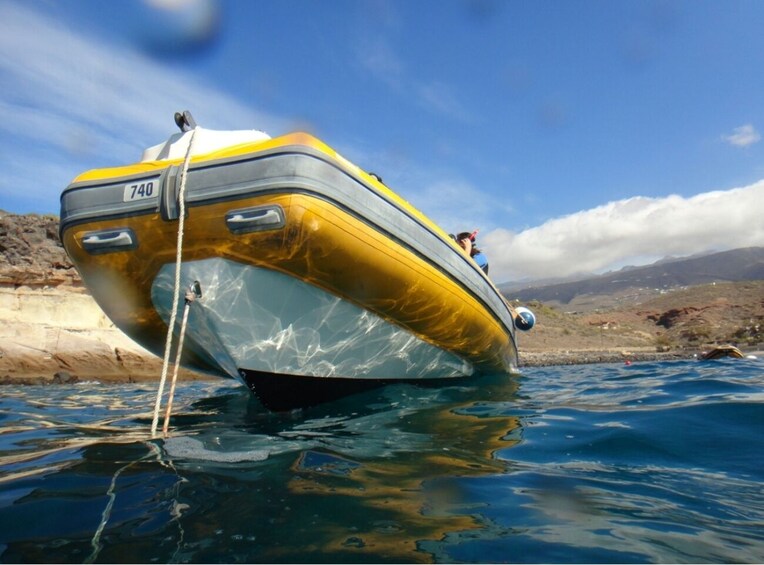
378	57
629	231
743	136
455	205
90	104
438	97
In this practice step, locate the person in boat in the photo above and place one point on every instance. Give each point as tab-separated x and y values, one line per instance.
466	241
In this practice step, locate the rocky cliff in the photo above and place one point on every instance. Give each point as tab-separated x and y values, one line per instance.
31	254
51	330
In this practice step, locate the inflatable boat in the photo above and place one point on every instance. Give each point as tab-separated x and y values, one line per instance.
309	277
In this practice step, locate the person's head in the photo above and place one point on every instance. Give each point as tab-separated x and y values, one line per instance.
467	241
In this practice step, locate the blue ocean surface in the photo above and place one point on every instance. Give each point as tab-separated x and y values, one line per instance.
654	462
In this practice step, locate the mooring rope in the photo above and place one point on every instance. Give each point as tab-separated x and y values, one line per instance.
95	543
105	515
154	450
190	297
176	290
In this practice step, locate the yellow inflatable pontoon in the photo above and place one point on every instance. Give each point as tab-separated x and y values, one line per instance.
315	279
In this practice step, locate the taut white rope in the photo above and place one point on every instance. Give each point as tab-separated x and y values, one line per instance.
190	297
176	290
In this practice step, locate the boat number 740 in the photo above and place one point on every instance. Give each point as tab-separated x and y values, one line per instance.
141	190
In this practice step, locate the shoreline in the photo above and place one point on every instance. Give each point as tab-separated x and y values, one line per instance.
595	357
58	335
134	367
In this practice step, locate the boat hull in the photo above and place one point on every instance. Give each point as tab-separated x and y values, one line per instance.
308	267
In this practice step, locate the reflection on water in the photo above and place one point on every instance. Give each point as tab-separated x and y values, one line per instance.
340	480
408	492
651	462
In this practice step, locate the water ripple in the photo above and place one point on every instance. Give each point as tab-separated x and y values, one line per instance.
650	462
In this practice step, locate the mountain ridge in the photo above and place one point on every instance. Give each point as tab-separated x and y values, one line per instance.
725	266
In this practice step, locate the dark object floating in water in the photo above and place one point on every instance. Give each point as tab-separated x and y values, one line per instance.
721	352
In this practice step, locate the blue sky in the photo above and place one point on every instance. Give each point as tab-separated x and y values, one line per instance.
576	135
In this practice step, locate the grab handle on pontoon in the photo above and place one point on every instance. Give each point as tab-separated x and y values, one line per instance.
108	241
255	219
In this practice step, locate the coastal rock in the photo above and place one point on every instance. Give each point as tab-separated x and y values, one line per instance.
64	377
51	329
31	253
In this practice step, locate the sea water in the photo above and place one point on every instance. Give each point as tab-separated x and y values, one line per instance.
649	462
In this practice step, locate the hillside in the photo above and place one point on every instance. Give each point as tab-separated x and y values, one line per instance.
31	253
635	284
683	321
